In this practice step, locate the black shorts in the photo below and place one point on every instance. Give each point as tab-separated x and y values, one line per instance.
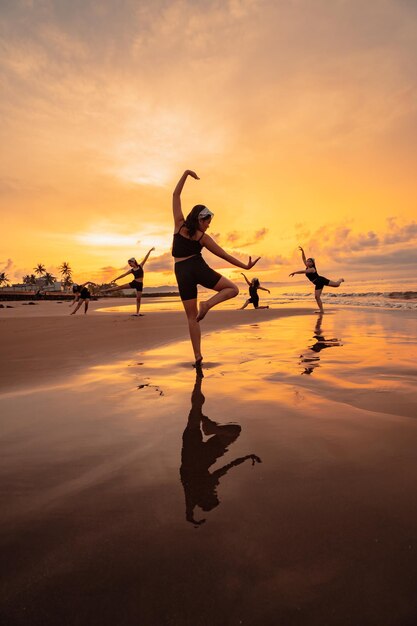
255	301
85	294
320	282
192	272
135	284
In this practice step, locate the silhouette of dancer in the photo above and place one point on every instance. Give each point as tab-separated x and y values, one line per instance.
321	343
254	285
137	283
198	455
81	295
191	269
318	281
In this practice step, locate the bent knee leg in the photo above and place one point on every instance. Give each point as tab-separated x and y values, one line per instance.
235	290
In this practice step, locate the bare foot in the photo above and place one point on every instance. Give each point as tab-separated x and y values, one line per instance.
341	280
202	311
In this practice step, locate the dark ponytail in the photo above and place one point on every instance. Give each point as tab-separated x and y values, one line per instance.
191	222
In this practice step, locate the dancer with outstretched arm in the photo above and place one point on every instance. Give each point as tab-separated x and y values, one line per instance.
318	281
81	295
137	283
254	285
190	238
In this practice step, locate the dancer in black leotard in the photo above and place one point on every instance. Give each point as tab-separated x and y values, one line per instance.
81	294
254	285
190	268
137	283
313	276
198	455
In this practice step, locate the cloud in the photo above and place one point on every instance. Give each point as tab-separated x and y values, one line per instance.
7	266
163	263
392	259
399	234
240	239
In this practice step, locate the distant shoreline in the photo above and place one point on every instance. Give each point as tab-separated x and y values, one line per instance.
31	295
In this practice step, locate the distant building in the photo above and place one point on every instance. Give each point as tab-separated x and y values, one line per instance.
38	284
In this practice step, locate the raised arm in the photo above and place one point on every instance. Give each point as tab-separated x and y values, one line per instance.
176	197
248	282
303	255
264	289
146	256
211	245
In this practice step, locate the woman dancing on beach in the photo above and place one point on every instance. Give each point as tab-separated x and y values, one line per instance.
190	268
137	283
318	281
254	285
81	295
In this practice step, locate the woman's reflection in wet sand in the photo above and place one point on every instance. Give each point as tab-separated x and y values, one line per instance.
310	357
198	455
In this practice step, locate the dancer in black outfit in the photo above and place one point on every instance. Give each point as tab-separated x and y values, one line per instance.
198	455
81	295
254	285
190	268
318	281
137	283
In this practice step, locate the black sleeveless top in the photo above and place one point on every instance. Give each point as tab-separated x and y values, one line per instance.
181	246
253	291
138	272
313	276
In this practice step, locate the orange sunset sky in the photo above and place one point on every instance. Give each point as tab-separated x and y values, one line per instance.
300	117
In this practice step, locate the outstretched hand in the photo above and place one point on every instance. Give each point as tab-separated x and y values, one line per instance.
292	274
255	459
252	263
192	174
300	248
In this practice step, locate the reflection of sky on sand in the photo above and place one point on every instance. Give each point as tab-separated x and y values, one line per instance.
321	532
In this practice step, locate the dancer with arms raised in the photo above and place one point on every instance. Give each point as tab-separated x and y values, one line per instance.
190	268
318	281
137	283
254	285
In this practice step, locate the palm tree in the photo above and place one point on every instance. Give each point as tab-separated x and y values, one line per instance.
4	280
49	278
66	273
39	269
65	269
27	280
32	280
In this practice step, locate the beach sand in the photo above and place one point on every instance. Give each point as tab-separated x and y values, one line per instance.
297	449
37	342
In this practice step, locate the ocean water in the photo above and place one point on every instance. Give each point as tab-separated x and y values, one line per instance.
280	296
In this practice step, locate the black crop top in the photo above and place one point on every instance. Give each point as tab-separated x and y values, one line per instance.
182	246
138	272
312	275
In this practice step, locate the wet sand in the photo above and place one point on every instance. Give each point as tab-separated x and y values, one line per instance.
297	449
44	341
